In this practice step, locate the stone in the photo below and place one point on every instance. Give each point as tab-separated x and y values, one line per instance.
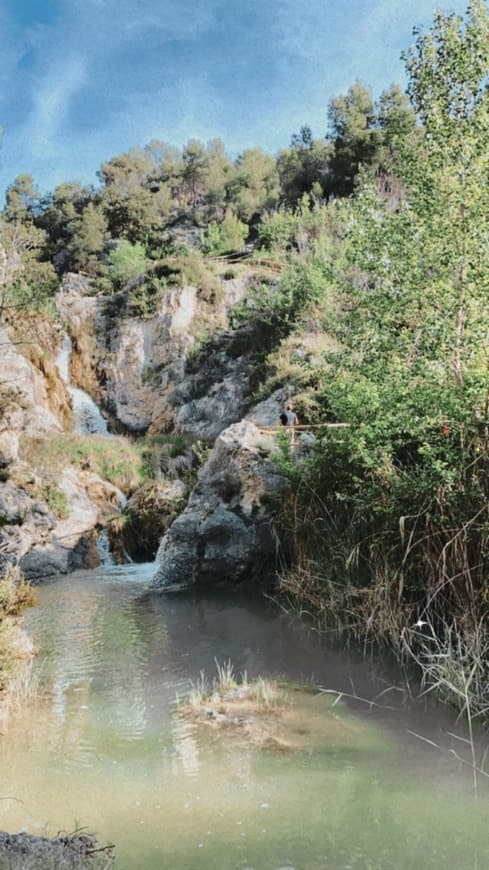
225	534
267	413
31	536
9	448
70	851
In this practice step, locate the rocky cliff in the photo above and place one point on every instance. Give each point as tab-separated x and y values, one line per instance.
182	367
178	369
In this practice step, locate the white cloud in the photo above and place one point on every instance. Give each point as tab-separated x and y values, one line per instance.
44	125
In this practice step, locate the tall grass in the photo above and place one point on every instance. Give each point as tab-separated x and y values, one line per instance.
15	596
265	693
374	553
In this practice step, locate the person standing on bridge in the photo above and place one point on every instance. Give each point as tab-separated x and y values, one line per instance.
288	417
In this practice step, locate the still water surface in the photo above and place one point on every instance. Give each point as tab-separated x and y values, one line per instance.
106	748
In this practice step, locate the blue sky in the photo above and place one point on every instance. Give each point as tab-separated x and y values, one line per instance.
84	80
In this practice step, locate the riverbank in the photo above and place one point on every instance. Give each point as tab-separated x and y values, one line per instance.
77	851
16	596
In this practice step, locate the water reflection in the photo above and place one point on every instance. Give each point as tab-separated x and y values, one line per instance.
106	749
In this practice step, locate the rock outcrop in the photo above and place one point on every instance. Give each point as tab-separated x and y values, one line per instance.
25	402
33	537
33	534
225	534
20	851
176	369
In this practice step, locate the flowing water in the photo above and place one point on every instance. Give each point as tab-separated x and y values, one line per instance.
87	418
107	748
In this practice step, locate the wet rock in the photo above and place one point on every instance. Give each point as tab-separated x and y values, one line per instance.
23	851
15	505
225	533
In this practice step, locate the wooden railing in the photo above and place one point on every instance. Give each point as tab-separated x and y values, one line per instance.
300	428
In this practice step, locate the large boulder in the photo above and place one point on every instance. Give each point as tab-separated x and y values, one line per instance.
225	534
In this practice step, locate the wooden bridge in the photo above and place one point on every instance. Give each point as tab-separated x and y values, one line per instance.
299	428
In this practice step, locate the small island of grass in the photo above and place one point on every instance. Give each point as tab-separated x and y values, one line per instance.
269	713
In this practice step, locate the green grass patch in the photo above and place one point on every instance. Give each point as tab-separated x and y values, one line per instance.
117	460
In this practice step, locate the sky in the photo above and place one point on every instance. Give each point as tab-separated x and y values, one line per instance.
84	80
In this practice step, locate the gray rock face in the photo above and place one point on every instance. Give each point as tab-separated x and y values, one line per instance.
267	413
144	374
32	537
27	409
225	533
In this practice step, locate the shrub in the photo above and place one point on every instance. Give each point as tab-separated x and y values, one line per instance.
229	235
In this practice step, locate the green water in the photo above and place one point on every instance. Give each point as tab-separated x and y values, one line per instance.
107	749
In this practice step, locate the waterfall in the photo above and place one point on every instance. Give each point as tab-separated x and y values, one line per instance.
87	418
103	547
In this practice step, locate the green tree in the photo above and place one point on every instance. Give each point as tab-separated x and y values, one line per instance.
88	240
304	167
27	280
354	136
22	200
255	187
407	485
195	167
59	217
220	172
229	235
127	261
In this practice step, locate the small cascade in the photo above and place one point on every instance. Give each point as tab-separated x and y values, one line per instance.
87	417
103	549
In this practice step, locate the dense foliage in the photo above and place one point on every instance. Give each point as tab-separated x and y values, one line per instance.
391	514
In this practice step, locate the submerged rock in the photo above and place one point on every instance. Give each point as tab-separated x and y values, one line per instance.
225	534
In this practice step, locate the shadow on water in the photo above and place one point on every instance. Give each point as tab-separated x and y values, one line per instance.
106	747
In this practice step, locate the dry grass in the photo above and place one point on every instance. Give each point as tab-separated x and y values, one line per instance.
263	693
15	596
114	459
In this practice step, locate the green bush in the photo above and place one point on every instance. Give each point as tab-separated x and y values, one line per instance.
221	238
127	261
